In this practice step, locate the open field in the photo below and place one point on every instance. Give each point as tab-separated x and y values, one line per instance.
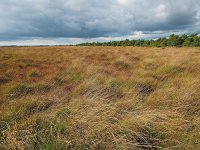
99	98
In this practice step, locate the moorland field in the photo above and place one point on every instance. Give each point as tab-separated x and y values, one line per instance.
76	97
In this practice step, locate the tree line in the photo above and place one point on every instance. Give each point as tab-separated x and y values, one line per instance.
192	40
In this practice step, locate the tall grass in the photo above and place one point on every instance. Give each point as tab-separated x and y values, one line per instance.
99	98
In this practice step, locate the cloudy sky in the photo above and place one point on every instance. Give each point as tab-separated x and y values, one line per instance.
42	22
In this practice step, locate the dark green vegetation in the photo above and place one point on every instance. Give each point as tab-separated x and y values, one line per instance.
104	98
192	40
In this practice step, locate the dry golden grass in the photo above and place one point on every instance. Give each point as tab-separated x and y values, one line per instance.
99	98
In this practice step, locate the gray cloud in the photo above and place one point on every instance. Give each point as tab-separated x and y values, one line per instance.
94	18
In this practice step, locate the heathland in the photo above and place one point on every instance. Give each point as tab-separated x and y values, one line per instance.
99	98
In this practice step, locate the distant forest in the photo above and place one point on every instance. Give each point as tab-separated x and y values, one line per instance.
192	40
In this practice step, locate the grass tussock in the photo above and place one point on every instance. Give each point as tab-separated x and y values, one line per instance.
34	74
4	80
25	89
99	98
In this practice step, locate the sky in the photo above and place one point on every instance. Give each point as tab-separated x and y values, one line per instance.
62	22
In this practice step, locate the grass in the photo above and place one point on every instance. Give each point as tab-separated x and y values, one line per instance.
4	80
34	74
99	98
25	89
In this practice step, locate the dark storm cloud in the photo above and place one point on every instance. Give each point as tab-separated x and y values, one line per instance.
94	18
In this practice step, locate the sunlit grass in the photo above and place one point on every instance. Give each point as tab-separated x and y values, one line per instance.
99	98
